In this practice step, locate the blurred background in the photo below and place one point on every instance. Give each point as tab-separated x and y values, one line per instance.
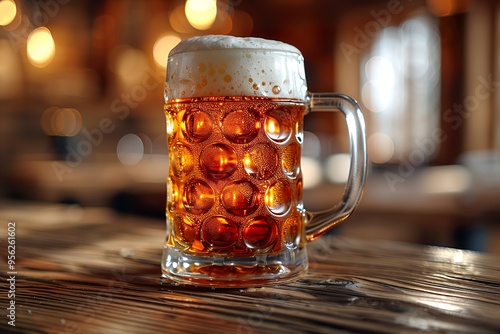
81	105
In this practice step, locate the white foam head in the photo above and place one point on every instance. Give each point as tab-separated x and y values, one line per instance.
217	65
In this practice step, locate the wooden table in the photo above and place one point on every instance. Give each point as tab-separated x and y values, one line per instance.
95	271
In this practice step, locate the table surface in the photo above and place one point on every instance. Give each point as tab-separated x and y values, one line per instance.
96	271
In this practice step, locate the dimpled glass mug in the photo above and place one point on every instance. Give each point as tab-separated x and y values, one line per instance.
234	112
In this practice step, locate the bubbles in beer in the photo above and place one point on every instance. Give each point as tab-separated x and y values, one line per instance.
241	126
260	232
198	197
290	160
261	161
197	125
211	203
181	160
219	232
171	195
218	161
240	197
278	126
184	228
278	198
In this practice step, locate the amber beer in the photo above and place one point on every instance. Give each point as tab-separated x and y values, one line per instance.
234	112
235	180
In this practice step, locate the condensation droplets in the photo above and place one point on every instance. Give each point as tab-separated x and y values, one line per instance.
241	126
198	197
181	160
240	197
219	232
197	126
278	126
260	232
218	161
261	161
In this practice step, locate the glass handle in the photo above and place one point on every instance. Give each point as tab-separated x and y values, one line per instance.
318	223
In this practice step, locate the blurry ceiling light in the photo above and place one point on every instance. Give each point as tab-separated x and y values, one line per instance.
61	121
201	14
337	167
130	149
312	172
40	47
380	148
8	11
162	47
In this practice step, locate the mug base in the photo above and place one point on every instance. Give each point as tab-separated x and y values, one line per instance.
233	272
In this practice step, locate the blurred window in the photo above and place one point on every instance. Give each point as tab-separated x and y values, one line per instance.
400	78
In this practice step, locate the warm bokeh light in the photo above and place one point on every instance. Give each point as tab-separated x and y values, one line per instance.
40	47
201	14
61	121
380	148
162	47
8	11
179	22
129	64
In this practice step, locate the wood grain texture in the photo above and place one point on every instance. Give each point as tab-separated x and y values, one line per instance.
94	271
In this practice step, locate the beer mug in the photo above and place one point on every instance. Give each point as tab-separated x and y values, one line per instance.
234	112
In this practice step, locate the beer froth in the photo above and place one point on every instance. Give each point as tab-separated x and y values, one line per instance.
234	66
